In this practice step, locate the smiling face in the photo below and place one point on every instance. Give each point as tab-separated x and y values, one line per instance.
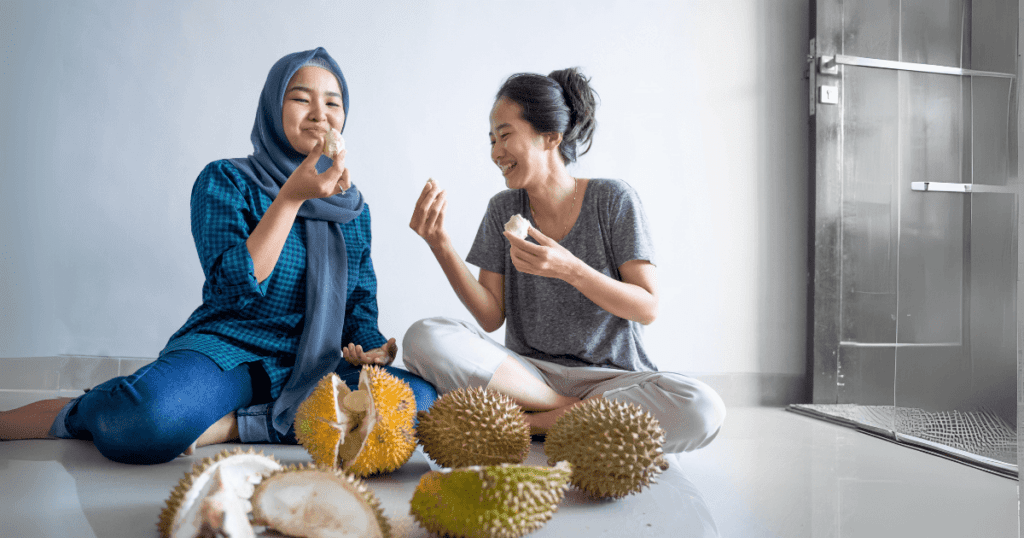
312	104
522	154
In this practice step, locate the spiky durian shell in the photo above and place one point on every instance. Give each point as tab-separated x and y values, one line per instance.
500	501
614	447
315	419
474	427
332	483
185	492
391	440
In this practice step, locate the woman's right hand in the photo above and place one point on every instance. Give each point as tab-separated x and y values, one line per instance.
305	183
428	217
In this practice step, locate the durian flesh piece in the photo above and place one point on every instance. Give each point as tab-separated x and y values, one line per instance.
366	431
474	427
333	143
615	448
318	502
222	513
236	472
518	226
501	501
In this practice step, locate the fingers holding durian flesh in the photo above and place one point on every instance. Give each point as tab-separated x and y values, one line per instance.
318	502
615	448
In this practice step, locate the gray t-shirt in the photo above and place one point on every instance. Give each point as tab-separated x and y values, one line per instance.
549	319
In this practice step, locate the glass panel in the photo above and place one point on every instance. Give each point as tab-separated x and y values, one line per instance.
991	130
994	35
869	207
930	304
871	30
932	31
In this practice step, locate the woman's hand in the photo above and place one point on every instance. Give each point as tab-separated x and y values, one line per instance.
548	258
428	217
305	183
382	356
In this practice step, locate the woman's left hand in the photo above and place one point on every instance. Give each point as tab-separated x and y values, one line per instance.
382	356
548	258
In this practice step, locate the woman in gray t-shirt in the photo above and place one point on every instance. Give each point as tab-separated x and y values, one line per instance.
576	292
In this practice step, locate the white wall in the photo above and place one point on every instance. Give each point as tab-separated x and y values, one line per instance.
111	109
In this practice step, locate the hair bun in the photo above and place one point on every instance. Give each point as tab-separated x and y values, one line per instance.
582	102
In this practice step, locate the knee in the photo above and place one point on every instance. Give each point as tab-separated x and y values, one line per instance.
701	413
690	411
141	435
422	342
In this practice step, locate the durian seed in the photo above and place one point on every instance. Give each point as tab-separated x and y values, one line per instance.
357	401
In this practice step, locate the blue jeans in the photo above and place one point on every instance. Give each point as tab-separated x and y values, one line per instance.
153	415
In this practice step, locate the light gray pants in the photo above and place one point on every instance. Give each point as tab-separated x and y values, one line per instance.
450	354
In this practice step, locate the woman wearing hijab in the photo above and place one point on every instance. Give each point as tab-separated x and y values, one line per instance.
284	240
575	298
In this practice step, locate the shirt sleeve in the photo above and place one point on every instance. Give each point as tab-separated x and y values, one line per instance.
222	219
631	233
490	245
361	306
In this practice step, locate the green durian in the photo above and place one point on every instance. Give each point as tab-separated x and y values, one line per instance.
474	427
615	448
318	502
501	501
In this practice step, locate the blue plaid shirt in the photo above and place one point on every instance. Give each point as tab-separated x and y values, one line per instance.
242	320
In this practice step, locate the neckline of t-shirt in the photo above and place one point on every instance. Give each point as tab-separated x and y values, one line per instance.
583	207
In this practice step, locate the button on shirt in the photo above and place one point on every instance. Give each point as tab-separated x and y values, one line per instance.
242	320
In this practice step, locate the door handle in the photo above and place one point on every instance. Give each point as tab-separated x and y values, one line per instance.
934	186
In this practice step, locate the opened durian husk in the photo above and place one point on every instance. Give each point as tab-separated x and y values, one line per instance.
236	471
318	502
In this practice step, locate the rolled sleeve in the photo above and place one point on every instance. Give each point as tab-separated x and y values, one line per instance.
223	215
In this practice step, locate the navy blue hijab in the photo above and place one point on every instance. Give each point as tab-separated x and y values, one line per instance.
273	160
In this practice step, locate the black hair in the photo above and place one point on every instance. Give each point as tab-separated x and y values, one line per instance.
562	102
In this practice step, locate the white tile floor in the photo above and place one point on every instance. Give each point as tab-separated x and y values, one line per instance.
770	473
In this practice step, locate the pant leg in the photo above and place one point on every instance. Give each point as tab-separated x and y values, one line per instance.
153	415
690	412
452	354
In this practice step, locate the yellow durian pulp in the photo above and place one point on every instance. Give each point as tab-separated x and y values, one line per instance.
317	501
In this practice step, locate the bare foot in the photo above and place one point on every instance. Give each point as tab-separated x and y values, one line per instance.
30	421
223	431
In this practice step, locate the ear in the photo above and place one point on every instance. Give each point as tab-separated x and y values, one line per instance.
552	140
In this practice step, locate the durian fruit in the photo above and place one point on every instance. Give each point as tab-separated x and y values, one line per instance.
474	427
500	501
614	447
366	431
318	502
236	472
